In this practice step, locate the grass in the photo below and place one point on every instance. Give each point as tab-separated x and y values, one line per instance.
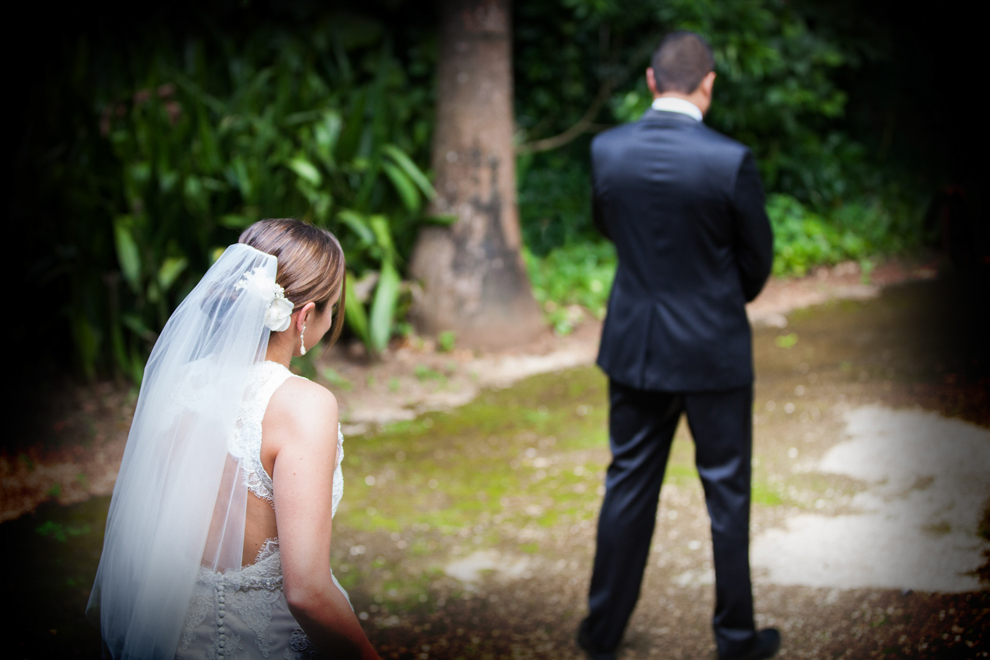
766	494
493	452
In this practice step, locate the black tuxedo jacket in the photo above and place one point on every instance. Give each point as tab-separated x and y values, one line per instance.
684	206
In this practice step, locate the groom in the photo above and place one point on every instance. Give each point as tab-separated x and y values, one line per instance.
684	206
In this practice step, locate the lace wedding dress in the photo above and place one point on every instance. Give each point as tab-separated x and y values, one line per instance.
243	614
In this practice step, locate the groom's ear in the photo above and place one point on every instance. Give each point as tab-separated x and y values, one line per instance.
707	83
651	81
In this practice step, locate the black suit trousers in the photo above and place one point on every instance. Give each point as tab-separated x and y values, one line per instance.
641	428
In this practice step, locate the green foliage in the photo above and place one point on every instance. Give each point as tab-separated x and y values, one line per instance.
281	133
578	274
422	373
803	239
335	379
446	341
554	201
304	365
61	532
205	131
383	306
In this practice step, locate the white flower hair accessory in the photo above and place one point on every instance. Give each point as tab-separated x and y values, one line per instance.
279	312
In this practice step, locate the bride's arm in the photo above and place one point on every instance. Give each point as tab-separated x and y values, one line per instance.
304	424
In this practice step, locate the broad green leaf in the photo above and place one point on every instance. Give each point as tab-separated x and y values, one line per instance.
210	150
194	90
351	135
354	312
404	186
137	326
140	171
409	167
215	185
383	235
154	293
241	178
358	225
195	194
369	181
326	134
306	170
128	255
171	268
301	117
167	181
322	203
136	366
383	306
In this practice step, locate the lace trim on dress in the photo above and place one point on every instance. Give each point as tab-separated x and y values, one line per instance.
246	443
264	573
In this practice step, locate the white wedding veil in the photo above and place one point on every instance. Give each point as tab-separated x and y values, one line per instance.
179	500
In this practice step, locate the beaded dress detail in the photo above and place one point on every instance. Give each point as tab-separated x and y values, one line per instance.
243	614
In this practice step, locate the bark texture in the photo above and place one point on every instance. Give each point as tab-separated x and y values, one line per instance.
473	277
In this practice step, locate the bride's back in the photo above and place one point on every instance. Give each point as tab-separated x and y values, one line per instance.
276	405
258	456
289	400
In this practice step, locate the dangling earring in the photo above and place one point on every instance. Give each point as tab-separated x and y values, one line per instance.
302	344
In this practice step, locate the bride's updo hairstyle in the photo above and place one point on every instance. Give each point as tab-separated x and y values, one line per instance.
311	264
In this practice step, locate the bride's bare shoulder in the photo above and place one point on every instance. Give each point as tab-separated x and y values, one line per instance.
300	405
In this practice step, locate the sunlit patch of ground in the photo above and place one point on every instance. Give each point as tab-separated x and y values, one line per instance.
916	526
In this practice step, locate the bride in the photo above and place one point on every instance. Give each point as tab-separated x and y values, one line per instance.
218	538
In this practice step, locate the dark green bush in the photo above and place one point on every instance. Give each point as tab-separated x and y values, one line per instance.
197	133
577	274
555	200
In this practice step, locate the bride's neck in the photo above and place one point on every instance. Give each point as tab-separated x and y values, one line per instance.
279	351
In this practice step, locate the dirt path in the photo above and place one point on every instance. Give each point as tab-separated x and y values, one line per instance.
416	377
468	531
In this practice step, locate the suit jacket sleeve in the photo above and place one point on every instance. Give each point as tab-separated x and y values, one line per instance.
753	235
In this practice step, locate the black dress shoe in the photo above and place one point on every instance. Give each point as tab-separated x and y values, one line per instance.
766	646
590	650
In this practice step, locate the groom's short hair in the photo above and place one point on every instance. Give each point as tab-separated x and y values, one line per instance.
681	62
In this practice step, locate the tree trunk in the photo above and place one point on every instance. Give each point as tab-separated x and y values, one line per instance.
473	277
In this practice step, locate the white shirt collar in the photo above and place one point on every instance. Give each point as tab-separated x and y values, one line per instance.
674	104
